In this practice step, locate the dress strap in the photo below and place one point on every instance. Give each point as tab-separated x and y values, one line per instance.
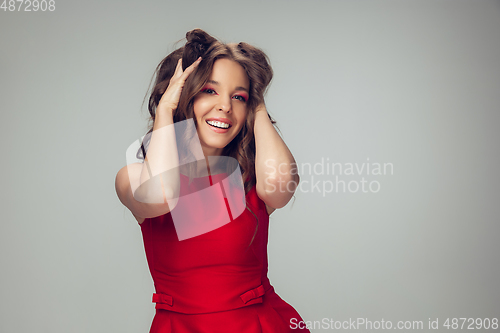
166	302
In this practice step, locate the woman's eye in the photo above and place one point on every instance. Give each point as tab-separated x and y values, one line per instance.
241	98
208	91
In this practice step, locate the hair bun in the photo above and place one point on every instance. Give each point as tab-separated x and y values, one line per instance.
198	43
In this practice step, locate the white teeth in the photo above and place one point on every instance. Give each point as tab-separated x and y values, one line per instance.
218	124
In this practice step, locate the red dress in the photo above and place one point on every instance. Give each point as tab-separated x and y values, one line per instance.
216	281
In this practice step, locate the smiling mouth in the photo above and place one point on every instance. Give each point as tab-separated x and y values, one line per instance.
218	124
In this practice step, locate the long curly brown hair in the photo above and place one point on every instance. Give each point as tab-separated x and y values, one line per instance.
256	65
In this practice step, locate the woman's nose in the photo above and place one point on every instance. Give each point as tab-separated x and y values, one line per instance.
224	104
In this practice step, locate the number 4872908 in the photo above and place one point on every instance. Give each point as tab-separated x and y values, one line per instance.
471	323
28	5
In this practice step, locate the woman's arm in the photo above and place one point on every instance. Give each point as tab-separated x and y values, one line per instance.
160	173
275	167
151	189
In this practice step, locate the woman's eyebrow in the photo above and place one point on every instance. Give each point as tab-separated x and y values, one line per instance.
241	88
218	84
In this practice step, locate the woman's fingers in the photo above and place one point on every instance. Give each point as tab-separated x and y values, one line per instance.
191	68
183	75
178	69
170	98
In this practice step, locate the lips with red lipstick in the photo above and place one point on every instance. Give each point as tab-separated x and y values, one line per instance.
219	125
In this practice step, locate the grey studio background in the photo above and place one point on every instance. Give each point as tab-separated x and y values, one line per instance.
413	84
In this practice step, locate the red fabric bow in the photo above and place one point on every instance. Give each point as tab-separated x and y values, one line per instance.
252	294
163	299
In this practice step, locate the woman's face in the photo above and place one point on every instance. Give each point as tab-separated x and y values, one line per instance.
220	107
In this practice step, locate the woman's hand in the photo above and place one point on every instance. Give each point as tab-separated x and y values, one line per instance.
170	98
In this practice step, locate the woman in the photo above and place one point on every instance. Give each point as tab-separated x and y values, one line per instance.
206	252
